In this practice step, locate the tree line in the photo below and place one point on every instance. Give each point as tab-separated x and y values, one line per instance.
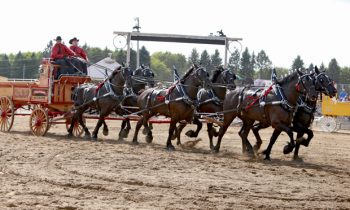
247	65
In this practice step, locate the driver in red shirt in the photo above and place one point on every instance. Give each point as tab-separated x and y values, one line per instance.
61	55
80	53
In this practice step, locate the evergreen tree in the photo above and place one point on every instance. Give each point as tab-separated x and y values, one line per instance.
5	66
345	75
246	72
311	68
215	60
233	61
145	57
18	66
298	63
334	70
47	50
194	57
322	67
252	63
205	59
264	65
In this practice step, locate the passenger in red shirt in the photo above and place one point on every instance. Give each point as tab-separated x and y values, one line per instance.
80	54
61	55
78	50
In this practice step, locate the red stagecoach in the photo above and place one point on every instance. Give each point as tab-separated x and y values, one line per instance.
46	100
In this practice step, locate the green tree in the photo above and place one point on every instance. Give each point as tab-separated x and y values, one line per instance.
5	66
18	66
345	75
205	59
311	68
298	63
334	70
171	59
233	61
252	64
215	60
245	71
264	65
47	50
322	67
145	57
160	69
194	57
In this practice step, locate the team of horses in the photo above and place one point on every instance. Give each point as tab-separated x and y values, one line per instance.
287	105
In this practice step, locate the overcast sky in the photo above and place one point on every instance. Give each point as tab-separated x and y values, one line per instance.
318	30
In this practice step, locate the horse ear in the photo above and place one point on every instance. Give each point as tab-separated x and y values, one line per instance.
317	70
299	72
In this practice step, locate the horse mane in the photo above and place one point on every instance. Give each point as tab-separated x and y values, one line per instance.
216	74
187	73
288	78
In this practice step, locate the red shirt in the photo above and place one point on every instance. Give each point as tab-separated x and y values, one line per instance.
60	50
79	52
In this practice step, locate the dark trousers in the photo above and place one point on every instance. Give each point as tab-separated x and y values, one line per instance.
80	66
65	67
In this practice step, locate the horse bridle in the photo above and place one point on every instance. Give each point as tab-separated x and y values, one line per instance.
300	81
318	83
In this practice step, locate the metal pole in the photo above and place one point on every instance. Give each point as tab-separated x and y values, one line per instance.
137	27
226	49
128	49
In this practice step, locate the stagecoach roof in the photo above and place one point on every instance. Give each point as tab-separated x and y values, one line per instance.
97	72
217	40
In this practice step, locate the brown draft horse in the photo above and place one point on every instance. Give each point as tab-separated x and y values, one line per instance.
304	114
272	109
103	98
211	101
178	102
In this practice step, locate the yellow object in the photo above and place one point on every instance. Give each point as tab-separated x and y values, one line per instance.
333	107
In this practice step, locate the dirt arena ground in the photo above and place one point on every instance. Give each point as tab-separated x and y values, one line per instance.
53	172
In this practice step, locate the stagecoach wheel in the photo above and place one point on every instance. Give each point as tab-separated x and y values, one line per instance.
6	114
329	124
39	122
77	129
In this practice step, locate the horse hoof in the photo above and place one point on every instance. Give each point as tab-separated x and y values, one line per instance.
105	132
267	158
87	137
190	134
123	133
171	148
288	149
70	135
298	159
149	139
145	131
215	150
256	147
305	142
135	143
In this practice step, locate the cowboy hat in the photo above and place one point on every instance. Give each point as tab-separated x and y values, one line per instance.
58	38
74	39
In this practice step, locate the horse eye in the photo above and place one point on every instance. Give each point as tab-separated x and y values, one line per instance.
321	80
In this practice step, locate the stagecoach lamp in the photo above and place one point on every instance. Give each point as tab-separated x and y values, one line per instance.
262	103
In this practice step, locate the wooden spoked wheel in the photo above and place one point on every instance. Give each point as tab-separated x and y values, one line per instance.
39	122
77	129
6	114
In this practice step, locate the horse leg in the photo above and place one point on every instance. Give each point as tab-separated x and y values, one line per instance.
172	127
243	133
70	129
210	135
228	118
87	132
105	128
123	133
273	139
290	146
194	134
149	136
297	146
178	133
142	121
310	135
256	128
98	126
